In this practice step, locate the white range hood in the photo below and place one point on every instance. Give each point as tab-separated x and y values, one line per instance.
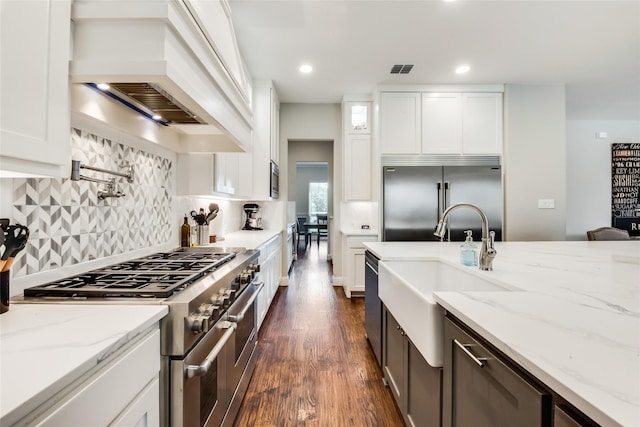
165	48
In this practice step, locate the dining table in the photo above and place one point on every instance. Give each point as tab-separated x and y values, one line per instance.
317	226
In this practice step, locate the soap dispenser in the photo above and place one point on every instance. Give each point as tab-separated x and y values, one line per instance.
469	251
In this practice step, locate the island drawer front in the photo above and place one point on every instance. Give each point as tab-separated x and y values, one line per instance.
104	395
481	390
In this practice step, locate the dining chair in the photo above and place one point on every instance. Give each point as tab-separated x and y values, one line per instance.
322	231
303	231
608	233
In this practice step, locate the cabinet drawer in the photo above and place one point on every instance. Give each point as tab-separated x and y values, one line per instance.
356	242
482	390
100	399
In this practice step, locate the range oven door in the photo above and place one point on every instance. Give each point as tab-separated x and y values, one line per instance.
198	382
244	313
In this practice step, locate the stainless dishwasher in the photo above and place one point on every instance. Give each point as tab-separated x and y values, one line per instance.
372	305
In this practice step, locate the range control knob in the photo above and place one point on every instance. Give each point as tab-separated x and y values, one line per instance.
196	323
244	277
225	299
255	267
217	301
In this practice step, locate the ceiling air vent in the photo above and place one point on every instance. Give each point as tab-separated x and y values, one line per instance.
401	69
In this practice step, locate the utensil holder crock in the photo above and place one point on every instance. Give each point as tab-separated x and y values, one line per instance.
203	234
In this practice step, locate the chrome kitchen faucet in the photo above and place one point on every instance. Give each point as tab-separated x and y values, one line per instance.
487	251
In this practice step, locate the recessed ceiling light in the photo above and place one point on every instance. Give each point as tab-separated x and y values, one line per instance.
306	68
156	117
103	86
462	69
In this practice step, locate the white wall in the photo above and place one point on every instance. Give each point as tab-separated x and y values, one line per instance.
315	122
589	171
534	162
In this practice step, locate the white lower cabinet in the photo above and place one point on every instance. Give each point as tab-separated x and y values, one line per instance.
125	392
144	411
270	266
354	266
291	250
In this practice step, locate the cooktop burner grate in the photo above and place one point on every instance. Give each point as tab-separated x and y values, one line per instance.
155	276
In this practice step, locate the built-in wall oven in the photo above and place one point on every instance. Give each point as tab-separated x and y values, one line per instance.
208	338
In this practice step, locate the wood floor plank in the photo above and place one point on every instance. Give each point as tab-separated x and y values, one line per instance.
315	367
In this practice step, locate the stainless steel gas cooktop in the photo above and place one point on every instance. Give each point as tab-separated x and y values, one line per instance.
155	276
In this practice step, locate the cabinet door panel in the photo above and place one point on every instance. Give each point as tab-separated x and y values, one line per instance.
564	416
34	82
393	357
399	123
441	123
492	395
482	123
424	391
357	170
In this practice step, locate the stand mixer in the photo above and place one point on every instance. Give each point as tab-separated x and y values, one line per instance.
252	222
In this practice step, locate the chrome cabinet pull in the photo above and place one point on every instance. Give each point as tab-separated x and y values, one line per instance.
191	371
240	316
463	347
373	269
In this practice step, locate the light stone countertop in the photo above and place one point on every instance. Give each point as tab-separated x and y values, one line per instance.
576	326
46	347
249	239
359	232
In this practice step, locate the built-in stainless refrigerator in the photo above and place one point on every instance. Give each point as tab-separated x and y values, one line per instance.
414	198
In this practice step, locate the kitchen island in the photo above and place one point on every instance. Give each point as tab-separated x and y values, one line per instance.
575	326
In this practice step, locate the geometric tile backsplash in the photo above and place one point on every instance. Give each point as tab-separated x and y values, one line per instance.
68	224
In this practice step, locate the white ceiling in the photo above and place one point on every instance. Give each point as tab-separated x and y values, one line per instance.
591	46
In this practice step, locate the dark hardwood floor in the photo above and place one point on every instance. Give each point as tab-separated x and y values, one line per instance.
315	367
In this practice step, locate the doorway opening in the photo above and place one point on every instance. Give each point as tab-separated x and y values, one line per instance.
310	189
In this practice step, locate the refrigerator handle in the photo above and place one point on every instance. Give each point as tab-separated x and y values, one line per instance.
445	197
446	194
440	201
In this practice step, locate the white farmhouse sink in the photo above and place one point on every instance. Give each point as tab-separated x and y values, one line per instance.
406	288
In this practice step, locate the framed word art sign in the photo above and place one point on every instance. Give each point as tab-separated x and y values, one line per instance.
625	187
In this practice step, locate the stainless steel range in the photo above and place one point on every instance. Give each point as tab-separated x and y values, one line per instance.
209	337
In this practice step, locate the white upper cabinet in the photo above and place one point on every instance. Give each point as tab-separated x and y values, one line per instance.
266	137
445	122
400	123
221	174
357	171
357	118
482	123
441	122
34	83
357	150
275	127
